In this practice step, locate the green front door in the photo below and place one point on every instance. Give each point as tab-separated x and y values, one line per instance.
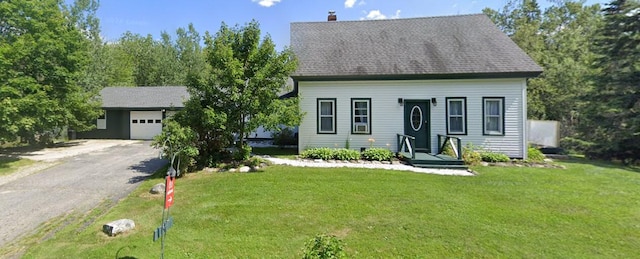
416	123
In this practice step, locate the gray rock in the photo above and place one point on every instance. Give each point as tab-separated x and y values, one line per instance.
119	226
232	170
318	160
157	189
244	169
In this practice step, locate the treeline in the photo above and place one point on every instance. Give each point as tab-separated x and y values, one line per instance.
591	79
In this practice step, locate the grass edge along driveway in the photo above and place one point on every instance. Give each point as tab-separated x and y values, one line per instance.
587	210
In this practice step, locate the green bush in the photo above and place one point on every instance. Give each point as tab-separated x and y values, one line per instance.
176	140
448	150
284	137
470	155
346	154
324	247
535	155
323	153
494	157
242	153
377	154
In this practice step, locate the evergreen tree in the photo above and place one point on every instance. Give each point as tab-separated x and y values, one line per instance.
613	113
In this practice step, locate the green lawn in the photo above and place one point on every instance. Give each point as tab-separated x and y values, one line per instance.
9	165
587	210
290	153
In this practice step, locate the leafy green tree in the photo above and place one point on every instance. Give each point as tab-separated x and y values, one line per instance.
240	91
42	53
612	121
246	77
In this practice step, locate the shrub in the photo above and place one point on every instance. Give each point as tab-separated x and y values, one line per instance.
535	155
176	140
255	161
346	154
324	246
448	150
377	154
242	153
494	157
323	153
284	137
470	155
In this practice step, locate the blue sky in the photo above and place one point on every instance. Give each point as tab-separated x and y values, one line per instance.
153	16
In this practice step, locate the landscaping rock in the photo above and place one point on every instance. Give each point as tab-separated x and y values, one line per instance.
119	226
233	170
244	169
157	189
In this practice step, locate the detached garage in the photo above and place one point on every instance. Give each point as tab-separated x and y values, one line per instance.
136	112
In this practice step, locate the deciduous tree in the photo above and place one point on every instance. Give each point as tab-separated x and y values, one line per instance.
42	52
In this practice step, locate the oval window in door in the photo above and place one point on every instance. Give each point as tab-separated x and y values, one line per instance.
416	118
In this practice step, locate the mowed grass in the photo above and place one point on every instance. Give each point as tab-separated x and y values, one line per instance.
9	165
581	212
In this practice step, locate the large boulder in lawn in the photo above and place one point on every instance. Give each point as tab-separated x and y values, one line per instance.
157	189
119	226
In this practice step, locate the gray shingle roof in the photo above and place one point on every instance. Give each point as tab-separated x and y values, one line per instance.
144	97
447	46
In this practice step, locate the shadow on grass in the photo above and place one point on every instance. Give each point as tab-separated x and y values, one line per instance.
6	160
152	168
601	163
32	148
125	257
275	151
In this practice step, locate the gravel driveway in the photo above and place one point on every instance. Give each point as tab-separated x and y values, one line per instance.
78	179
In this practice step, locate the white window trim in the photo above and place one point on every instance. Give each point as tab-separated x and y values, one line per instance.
500	116
354	124
332	116
463	116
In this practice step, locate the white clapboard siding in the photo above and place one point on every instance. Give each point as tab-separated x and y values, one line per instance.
387	118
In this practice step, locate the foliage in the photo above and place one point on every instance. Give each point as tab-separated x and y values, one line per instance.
323	153
346	154
255	161
247	74
612	121
470	155
284	137
324	247
42	54
575	145
377	154
492	157
448	150
558	39
535	155
379	213
243	153
179	142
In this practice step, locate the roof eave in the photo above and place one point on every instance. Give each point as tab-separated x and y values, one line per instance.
523	74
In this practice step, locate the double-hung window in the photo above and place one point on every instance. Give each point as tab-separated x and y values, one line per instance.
361	116
327	116
493	115
456	115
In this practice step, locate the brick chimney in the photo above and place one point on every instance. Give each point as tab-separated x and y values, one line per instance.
332	16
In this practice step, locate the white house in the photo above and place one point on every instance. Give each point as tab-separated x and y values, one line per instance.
360	81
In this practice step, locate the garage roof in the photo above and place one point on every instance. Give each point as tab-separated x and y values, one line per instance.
144	97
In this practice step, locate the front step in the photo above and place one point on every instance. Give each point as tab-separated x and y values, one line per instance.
426	160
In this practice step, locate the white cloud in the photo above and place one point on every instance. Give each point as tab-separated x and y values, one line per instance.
349	3
396	15
377	15
266	3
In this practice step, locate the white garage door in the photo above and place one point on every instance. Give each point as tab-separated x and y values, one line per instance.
145	124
